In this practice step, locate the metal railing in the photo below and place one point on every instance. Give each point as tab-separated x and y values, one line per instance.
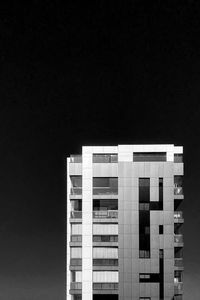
76	214
178	262
105	286
178	288
76	158
113	214
76	191
178	190
178	238
105	190
76	285
178	215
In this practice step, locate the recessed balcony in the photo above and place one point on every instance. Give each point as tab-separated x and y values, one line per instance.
178	264
178	190
75	288
105	214
178	217
178	288
178	240
75	158
105	288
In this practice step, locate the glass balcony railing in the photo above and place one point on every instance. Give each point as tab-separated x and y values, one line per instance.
105	190
178	215
76	214
113	214
75	285
76	158
178	297
105	158
178	190
105	286
178	238
178	262
178	288
76	191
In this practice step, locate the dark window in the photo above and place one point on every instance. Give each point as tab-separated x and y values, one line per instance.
105	185
105	158
105	262
76	238
76	262
149	156
178	158
178	181
160	229
76	181
105	238
144	190
105	204
76	205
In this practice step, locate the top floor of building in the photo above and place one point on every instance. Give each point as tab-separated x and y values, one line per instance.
131	153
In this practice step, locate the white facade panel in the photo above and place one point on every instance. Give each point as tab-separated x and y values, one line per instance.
105	252
76	252
105	276
76	229
105	229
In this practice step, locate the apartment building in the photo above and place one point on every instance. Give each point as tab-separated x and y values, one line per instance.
124	223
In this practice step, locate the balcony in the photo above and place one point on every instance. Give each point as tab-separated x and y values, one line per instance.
105	214
105	190
75	288
178	288
178	217
76	214
178	240
76	159
105	286
76	191
105	158
178	190
178	263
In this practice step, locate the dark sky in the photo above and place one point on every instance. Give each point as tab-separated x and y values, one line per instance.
99	73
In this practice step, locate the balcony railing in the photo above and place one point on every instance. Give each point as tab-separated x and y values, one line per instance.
178	297
178	262
105	190
75	262
178	215
105	158
105	286
178	190
113	214
76	285
178	238
76	214
76	158
178	288
105	262
76	191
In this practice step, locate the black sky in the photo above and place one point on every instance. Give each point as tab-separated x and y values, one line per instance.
98	73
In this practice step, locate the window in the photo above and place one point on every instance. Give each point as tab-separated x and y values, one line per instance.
105	262
149	156
76	238
105	158
178	158
76	181
145	298
105	204
105	238
105	185
144	254
160	229
144	276
144	190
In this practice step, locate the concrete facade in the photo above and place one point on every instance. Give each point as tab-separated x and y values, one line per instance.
124	236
